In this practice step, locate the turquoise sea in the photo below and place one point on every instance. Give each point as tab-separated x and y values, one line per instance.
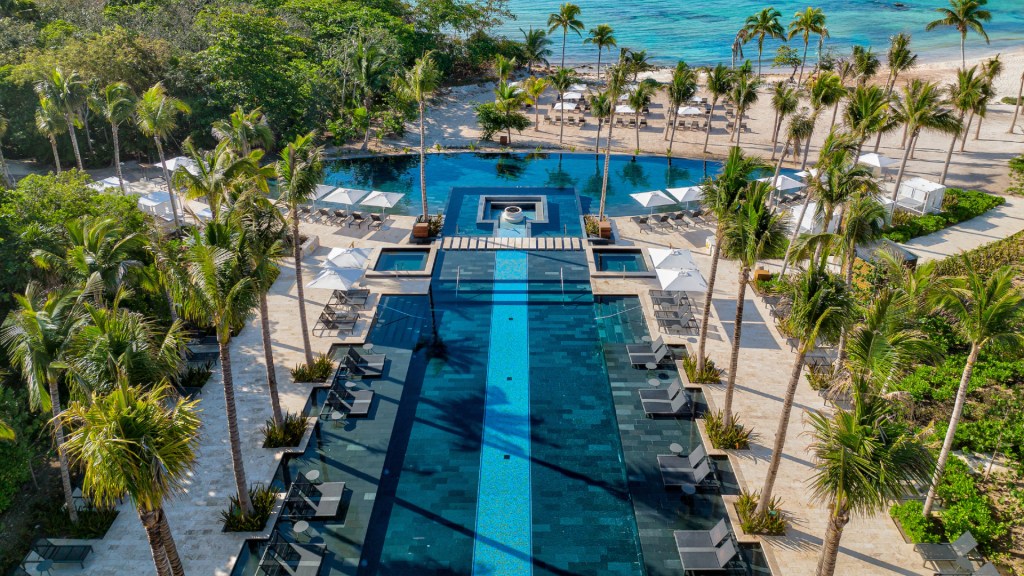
701	31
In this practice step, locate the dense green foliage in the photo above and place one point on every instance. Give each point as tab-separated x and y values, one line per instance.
318	371
771	524
919	530
711	374
734	437
1006	252
288	433
957	206
18	453
1017	175
263	500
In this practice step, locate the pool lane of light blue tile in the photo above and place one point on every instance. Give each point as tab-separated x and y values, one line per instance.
503	520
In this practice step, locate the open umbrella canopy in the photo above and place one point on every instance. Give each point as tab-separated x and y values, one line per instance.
382	199
681	280
564	106
323	190
690	111
573	96
624	109
334	278
652	199
181	162
108	182
783	183
347	196
347	258
578	87
672	259
809	173
154	199
876	160
686	194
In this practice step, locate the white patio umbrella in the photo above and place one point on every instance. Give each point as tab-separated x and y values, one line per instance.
323	190
578	87
652	199
686	194
681	280
783	183
672	259
876	160
572	96
333	278
690	111
810	172
109	182
624	109
382	199
181	162
347	258
567	106
347	196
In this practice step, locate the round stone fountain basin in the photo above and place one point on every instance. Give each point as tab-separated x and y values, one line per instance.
513	214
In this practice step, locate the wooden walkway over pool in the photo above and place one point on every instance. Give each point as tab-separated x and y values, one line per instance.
492	243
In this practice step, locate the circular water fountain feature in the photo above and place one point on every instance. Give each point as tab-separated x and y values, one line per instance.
513	214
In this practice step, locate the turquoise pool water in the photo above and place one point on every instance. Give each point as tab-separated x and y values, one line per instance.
401	260
583	172
561	213
702	32
619	261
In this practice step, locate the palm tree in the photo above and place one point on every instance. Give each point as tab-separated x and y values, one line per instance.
864	458
681	89
839	179
373	72
116	105
800	128
764	24
299	170
600	109
617	76
140	443
863	223
867	114
755	231
215	291
243	131
504	67
68	93
567	18
987	311
156	115
535	48
920	107
4	172
418	84
50	123
990	70
37	334
741	38
638	62
744	95
721	197
603	36
899	59
507	101
561	80
810	21
964	15
533	89
92	245
785	101
214	173
821	309
1016	104
865	64
639	99
719	83
826	90
965	95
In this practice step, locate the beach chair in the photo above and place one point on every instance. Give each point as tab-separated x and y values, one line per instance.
662	221
743	127
643	122
308	500
354	297
304	212
361	370
707	559
680	405
661	393
680	220
373	362
642	354
356	218
59	553
340	216
571	121
686	539
642	222
632	122
691	478
376	222
582	121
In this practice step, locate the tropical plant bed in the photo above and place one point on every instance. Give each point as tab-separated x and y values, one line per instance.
734	437
288	434
957	206
1006	252
263	499
710	375
773	523
319	371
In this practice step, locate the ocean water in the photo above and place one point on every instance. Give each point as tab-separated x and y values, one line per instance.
701	31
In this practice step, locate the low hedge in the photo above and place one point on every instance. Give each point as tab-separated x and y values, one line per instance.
957	206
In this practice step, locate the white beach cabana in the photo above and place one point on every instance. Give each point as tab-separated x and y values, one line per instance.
653	199
578	87
347	196
811	222
689	111
158	204
382	200
334	278
567	106
876	162
347	258
686	194
624	109
110	182
572	96
180	162
919	196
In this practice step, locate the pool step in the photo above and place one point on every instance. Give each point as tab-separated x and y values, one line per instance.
489	243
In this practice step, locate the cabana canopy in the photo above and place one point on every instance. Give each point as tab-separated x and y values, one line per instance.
921	196
333	278
652	199
347	196
686	194
347	258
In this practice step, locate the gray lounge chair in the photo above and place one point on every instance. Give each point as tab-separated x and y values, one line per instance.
680	405
680	478
653	354
291	558
686	539
356	218
661	393
307	500
988	569
642	222
376	222
707	559
677	463
59	553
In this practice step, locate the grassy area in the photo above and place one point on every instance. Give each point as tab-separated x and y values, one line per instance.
957	206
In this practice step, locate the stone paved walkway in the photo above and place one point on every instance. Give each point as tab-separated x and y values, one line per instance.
996	224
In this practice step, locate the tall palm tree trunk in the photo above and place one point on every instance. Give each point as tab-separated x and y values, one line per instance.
599	50
4	172
88	132
835	113
56	155
117	156
739	122
705	317
899	175
152	526
297	255
810	136
796	232
268	356
565	32
775	132
597	139
167	180
561	121
423	166
366	135
1016	105
170	548
607	163
954	421
536	116
780	434
62	456
636	120
672	139
803	62
711	115
74	141
734	360
949	158
241	485
830	547
963	139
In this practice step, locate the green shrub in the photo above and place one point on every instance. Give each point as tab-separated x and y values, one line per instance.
919	529
195	376
289	433
771	523
318	371
263	500
821	377
967	508
711	374
736	437
592	225
1017	175
16	454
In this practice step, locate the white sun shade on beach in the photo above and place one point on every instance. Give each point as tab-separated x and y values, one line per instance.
652	199
578	87
686	194
567	106
333	278
347	196
572	96
810	172
181	162
108	182
323	190
876	160
681	280
672	259
382	199
624	109
783	183
690	111
154	199
347	258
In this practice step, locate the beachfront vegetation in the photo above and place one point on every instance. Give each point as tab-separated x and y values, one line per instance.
957	206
